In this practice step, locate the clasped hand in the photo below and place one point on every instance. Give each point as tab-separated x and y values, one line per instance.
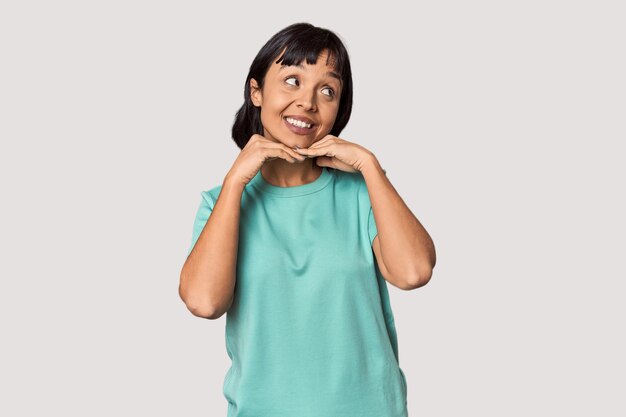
334	152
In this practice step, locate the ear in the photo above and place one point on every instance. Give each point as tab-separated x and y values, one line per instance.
255	93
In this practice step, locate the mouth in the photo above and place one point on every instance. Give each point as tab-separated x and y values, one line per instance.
298	127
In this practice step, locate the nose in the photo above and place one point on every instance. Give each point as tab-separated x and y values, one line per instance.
306	100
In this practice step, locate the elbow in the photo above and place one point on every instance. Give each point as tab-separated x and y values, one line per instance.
199	308
417	280
416	273
204	311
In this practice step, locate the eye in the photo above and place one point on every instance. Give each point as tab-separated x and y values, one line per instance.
332	92
330	95
289	78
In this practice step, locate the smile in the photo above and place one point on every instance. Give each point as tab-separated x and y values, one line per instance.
298	127
298	123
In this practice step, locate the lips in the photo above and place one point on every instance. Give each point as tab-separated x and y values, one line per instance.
302	119
297	129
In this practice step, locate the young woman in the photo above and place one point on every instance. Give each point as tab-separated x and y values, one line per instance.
289	246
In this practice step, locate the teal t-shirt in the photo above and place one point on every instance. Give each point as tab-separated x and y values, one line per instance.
310	332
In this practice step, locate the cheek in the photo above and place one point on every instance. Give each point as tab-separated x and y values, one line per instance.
273	106
269	111
330	115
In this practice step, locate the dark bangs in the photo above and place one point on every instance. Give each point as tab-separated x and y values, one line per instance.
309	49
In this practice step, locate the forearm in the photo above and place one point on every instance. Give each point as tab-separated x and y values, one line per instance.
405	245
207	280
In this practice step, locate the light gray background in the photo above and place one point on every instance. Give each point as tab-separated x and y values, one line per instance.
497	122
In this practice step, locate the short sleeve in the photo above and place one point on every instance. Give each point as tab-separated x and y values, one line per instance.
202	216
372	230
366	209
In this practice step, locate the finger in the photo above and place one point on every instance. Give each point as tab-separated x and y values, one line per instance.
292	152
325	161
321	142
287	156
334	163
271	153
322	150
287	150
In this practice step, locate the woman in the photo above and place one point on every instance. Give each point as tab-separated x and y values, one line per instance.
288	246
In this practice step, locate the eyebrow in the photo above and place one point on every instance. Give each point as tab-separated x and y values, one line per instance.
328	73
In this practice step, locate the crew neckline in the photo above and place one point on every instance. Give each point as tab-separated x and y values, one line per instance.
260	183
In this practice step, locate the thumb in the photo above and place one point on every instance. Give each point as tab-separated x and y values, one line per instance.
324	161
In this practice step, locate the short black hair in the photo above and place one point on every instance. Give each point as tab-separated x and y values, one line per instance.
299	41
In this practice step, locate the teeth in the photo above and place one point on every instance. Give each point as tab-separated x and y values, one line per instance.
298	123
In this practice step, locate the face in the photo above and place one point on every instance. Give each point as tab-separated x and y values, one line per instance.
309	93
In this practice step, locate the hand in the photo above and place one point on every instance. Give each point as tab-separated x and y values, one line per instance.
334	152
252	157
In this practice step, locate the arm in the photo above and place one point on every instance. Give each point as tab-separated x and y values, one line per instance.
207	279
407	250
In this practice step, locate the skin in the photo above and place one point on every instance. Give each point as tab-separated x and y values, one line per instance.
289	90
403	248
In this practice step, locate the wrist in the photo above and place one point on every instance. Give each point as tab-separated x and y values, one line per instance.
231	182
371	165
